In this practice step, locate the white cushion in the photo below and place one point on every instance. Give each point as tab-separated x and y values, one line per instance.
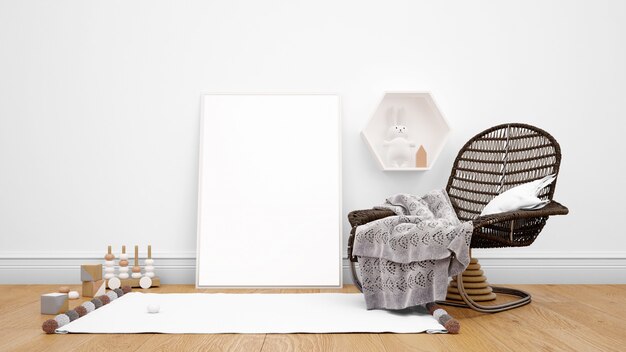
523	196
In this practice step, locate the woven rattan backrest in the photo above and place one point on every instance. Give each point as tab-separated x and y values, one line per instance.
498	159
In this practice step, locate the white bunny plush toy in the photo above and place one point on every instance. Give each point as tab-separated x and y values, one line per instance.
399	148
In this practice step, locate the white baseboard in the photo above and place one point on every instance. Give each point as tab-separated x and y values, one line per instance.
501	267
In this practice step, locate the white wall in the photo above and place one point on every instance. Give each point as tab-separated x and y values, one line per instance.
99	113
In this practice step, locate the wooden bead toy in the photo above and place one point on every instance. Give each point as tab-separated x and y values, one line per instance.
136	269
109	265
64	289
149	268
123	264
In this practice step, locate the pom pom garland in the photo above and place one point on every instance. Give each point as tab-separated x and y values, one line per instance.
81	310
112	295
97	303
89	306
452	325
72	314
49	326
62	319
126	289
105	299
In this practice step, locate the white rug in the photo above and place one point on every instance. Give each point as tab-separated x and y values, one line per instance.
204	313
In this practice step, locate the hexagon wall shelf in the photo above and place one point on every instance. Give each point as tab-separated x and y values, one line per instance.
401	124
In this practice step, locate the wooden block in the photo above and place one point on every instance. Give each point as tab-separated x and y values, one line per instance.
421	158
156	282
90	272
54	303
94	288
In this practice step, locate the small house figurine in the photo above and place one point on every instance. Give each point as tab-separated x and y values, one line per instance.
421	158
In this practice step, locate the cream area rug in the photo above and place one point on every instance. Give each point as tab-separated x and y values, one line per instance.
217	313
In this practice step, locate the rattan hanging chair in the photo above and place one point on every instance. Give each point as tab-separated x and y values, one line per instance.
490	163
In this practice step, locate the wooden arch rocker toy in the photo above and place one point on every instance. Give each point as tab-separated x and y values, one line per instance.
490	163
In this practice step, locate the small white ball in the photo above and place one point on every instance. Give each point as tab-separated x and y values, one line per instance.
114	283
149	261
145	282
150	274
123	275
153	308
136	275
109	263
149	268
89	306
62	319
109	269
124	256
109	276
73	295
123	269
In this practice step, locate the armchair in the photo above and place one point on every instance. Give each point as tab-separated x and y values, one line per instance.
490	163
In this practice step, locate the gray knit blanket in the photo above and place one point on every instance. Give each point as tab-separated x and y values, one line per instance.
406	260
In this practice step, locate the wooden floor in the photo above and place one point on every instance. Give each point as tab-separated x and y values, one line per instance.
561	317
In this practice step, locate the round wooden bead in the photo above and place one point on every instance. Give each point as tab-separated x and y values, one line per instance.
105	299
64	289
81	310
97	303
49	326
109	256
136	269
123	262
112	295
73	295
119	292
89	306
126	289
72	314
62	319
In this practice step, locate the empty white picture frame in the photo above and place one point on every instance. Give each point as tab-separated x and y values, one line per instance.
269	200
